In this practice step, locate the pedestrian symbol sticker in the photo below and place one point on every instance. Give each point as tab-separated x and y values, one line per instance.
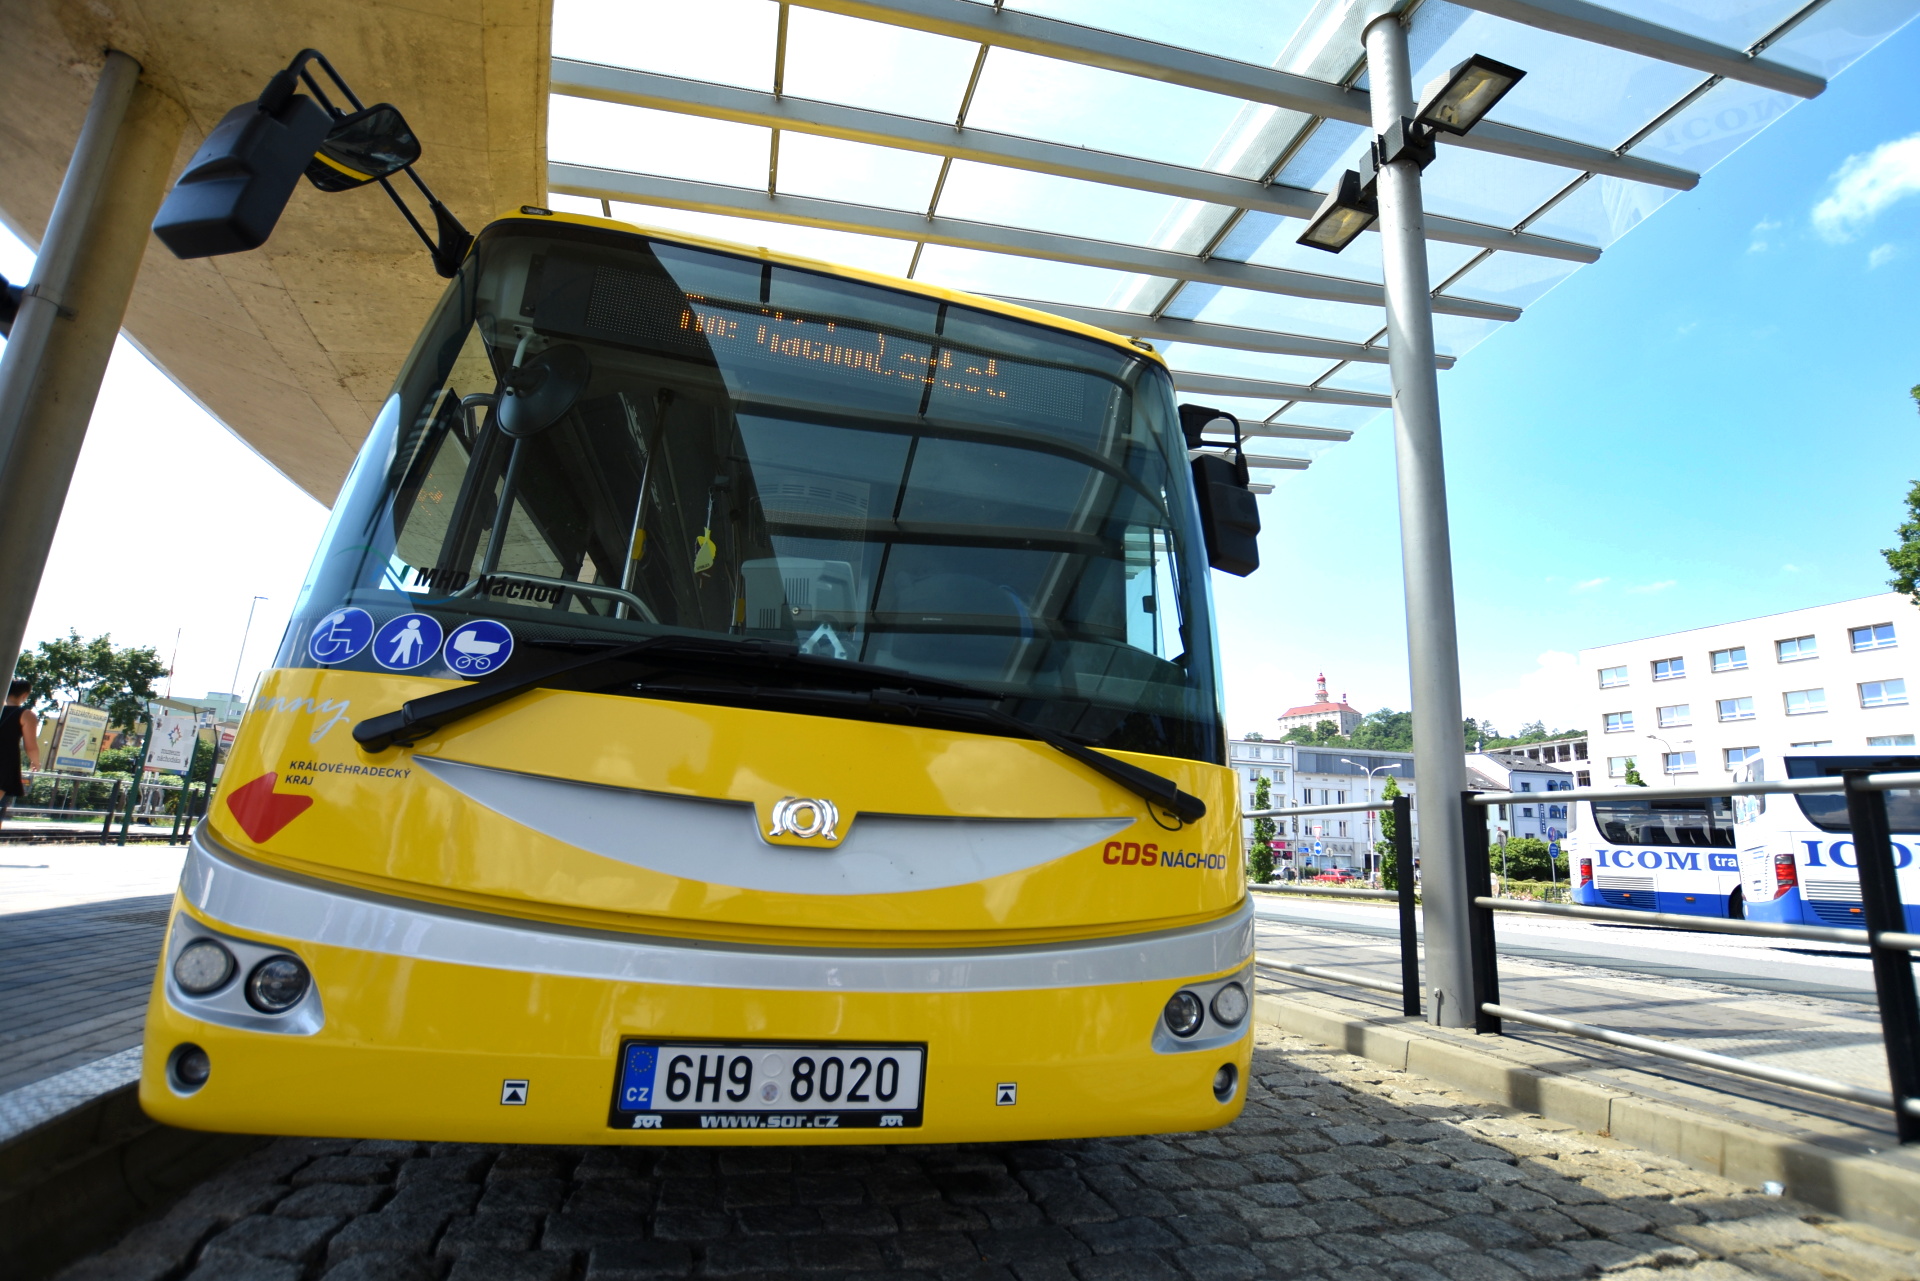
513	1094
340	635
407	642
1005	1094
479	647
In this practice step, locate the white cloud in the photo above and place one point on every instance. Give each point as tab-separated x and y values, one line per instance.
1789	569
1759	244
1646	588
1687	328
1867	184
1551	692
1881	256
1590	584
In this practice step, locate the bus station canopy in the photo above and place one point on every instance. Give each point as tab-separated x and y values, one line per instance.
1147	167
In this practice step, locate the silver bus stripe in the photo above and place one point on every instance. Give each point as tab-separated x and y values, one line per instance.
247	897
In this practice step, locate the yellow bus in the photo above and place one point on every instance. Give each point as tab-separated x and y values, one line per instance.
736	699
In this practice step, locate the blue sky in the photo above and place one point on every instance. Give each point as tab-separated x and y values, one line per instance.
1709	423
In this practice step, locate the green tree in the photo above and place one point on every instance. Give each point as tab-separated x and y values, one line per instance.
1322	734
1385	731
1527	860
1260	851
1632	778
1904	560
118	680
1383	848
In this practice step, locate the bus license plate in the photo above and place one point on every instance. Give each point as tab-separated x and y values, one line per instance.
666	1085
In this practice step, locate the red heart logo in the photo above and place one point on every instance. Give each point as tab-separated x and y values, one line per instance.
261	811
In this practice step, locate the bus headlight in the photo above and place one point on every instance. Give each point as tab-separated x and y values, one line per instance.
1184	1013
277	984
1230	1005
203	967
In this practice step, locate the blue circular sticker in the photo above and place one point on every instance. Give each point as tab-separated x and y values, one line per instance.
407	642
478	648
340	635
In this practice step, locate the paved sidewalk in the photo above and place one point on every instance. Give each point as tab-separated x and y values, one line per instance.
1339	1171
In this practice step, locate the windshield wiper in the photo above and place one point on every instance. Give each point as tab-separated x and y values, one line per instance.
418	717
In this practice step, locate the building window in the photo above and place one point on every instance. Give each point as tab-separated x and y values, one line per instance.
1612	677
1339	798
1804	702
1792	651
1619	722
1526	811
1557	811
1583	779
1669	669
1883	694
1891	740
1679	762
1738	755
1674	716
1343	827
1580	750
1825	742
1730	660
1617	766
1878	636
1736	709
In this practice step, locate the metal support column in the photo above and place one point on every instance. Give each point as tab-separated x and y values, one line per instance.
1409	929
1892	967
1433	653
1480	936
70	316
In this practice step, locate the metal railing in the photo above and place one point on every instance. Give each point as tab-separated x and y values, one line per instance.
1408	988
54	797
1886	936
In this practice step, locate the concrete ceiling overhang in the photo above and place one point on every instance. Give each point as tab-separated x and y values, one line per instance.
294	345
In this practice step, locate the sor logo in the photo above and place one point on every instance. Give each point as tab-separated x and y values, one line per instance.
804	817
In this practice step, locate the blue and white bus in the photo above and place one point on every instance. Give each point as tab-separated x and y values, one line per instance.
1662	854
1796	851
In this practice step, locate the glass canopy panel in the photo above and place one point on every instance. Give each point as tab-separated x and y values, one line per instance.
869	253
1245	364
1734	23
1518	280
1584	92
1245	30
1348	322
1354	376
641	140
1039	97
1247	411
977	271
870	64
729	41
1333	146
1482	187
1600	211
1345	417
1714	125
1358	261
1839	32
833	169
1043	202
1458	335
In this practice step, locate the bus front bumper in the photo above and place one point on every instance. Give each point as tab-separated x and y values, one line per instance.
419	1017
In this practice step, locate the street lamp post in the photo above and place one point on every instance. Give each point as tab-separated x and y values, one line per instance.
1666	749
1404	137
242	655
1367	854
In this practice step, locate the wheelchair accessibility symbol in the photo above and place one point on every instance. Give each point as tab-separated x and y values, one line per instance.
340	635
479	647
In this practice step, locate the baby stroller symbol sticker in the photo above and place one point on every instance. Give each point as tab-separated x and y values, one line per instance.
340	635
407	642
478	648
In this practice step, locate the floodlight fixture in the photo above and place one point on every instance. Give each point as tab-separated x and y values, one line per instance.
1457	101
1348	210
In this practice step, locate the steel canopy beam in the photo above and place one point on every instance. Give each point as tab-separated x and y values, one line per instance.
1260	389
1296	431
1200	334
1595	25
1277	462
1088	46
575	79
744	202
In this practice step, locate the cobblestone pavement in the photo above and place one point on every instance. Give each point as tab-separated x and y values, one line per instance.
1338	1171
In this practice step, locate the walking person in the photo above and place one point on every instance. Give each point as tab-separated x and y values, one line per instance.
18	727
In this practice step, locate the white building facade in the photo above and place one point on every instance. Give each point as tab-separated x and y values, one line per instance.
1511	770
1300	775
1831	678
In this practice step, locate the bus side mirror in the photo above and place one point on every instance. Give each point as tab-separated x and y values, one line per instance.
1229	514
362	148
231	194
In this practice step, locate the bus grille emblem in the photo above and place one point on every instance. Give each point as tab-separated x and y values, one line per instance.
804	817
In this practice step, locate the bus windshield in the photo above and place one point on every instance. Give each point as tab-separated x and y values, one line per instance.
1683	822
603	436
1828	810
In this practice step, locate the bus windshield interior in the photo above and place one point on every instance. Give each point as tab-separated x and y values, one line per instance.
606	436
1828	810
1684	822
